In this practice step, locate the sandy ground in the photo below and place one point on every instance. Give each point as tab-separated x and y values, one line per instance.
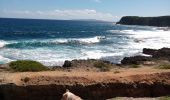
78	76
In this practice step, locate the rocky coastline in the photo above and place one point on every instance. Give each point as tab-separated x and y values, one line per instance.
91	83
155	54
162	21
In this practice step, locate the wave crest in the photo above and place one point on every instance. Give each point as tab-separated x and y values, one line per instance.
3	43
53	42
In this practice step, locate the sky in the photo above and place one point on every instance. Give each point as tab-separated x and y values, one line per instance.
108	10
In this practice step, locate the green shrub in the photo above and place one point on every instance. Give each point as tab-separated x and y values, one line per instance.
134	66
164	66
27	65
102	66
165	98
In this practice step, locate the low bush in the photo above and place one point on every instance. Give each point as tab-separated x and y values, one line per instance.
27	65
26	79
134	66
164	66
102	66
165	98
115	72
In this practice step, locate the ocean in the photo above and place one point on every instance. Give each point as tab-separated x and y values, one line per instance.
51	42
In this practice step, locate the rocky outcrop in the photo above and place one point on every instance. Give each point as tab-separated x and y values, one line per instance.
163	53
149	51
163	21
83	63
152	85
160	53
135	60
4	66
67	64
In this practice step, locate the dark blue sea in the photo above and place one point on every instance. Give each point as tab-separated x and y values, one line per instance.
51	42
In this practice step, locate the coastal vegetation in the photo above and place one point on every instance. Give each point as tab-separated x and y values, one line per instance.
164	66
134	66
162	21
165	98
27	65
102	66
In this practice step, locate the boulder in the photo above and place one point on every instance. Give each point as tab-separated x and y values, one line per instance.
160	53
150	51
67	64
4	66
164	52
135	60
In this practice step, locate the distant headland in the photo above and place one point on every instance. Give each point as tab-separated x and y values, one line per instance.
162	21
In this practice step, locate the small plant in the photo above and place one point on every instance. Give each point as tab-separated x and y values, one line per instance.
26	79
102	66
27	65
164	66
134	66
115	72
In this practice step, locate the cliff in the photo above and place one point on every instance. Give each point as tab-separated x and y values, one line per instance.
162	21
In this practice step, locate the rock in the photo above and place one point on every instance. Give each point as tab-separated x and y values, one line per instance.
135	60
4	66
140	85
162	21
83	63
164	52
56	67
150	51
67	64
160	53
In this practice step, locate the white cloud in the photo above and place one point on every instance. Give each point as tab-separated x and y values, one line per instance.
61	14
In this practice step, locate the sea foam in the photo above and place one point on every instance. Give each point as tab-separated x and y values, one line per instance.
3	43
90	40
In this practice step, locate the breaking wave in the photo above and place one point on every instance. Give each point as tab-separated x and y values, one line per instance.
3	43
51	42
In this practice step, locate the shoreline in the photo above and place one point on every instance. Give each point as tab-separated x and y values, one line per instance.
137	77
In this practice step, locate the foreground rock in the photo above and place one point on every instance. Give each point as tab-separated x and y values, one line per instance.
163	21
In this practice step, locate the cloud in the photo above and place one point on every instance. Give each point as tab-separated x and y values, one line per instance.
61	14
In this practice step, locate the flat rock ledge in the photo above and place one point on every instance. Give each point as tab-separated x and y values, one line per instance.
146	85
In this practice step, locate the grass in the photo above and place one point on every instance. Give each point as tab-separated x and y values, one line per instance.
165	98
102	66
27	65
164	66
